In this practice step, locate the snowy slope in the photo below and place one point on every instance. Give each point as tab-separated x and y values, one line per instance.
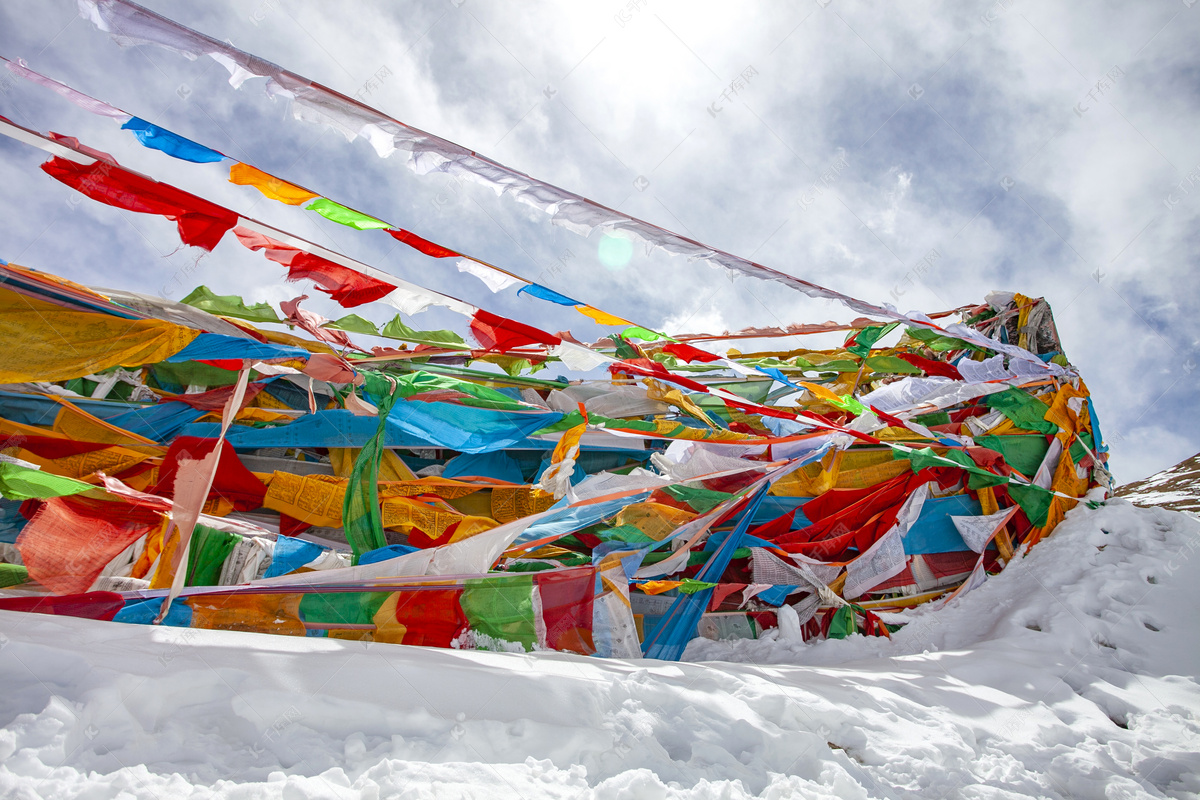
1177	488
1072	674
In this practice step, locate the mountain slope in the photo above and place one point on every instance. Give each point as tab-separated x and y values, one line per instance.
1177	488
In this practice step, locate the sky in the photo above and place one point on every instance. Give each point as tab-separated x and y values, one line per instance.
920	154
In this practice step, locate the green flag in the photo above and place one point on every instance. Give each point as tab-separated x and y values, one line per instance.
645	334
361	518
700	499
1033	500
624	348
1025	410
501	606
480	396
345	216
207	553
12	575
396	329
891	364
939	342
353	323
925	457
25	483
843	623
861	342
229	305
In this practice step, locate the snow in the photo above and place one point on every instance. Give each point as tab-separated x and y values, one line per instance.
1071	674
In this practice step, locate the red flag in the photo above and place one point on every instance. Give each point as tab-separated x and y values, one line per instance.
423	245
497	333
689	353
431	617
776	527
845	517
215	399
70	540
233	481
348	287
931	367
51	448
200	223
90	605
567	599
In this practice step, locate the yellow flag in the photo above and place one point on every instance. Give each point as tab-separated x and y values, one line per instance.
47	342
269	185
601	317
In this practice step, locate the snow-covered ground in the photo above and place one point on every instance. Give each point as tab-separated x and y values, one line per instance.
1072	674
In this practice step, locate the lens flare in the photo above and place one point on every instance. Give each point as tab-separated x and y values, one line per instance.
614	252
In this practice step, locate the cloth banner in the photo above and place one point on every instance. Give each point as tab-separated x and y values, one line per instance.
497	333
678	626
885	559
348	287
174	145
200	223
270	186
193	481
978	532
229	305
361	517
68	542
422	245
129	24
